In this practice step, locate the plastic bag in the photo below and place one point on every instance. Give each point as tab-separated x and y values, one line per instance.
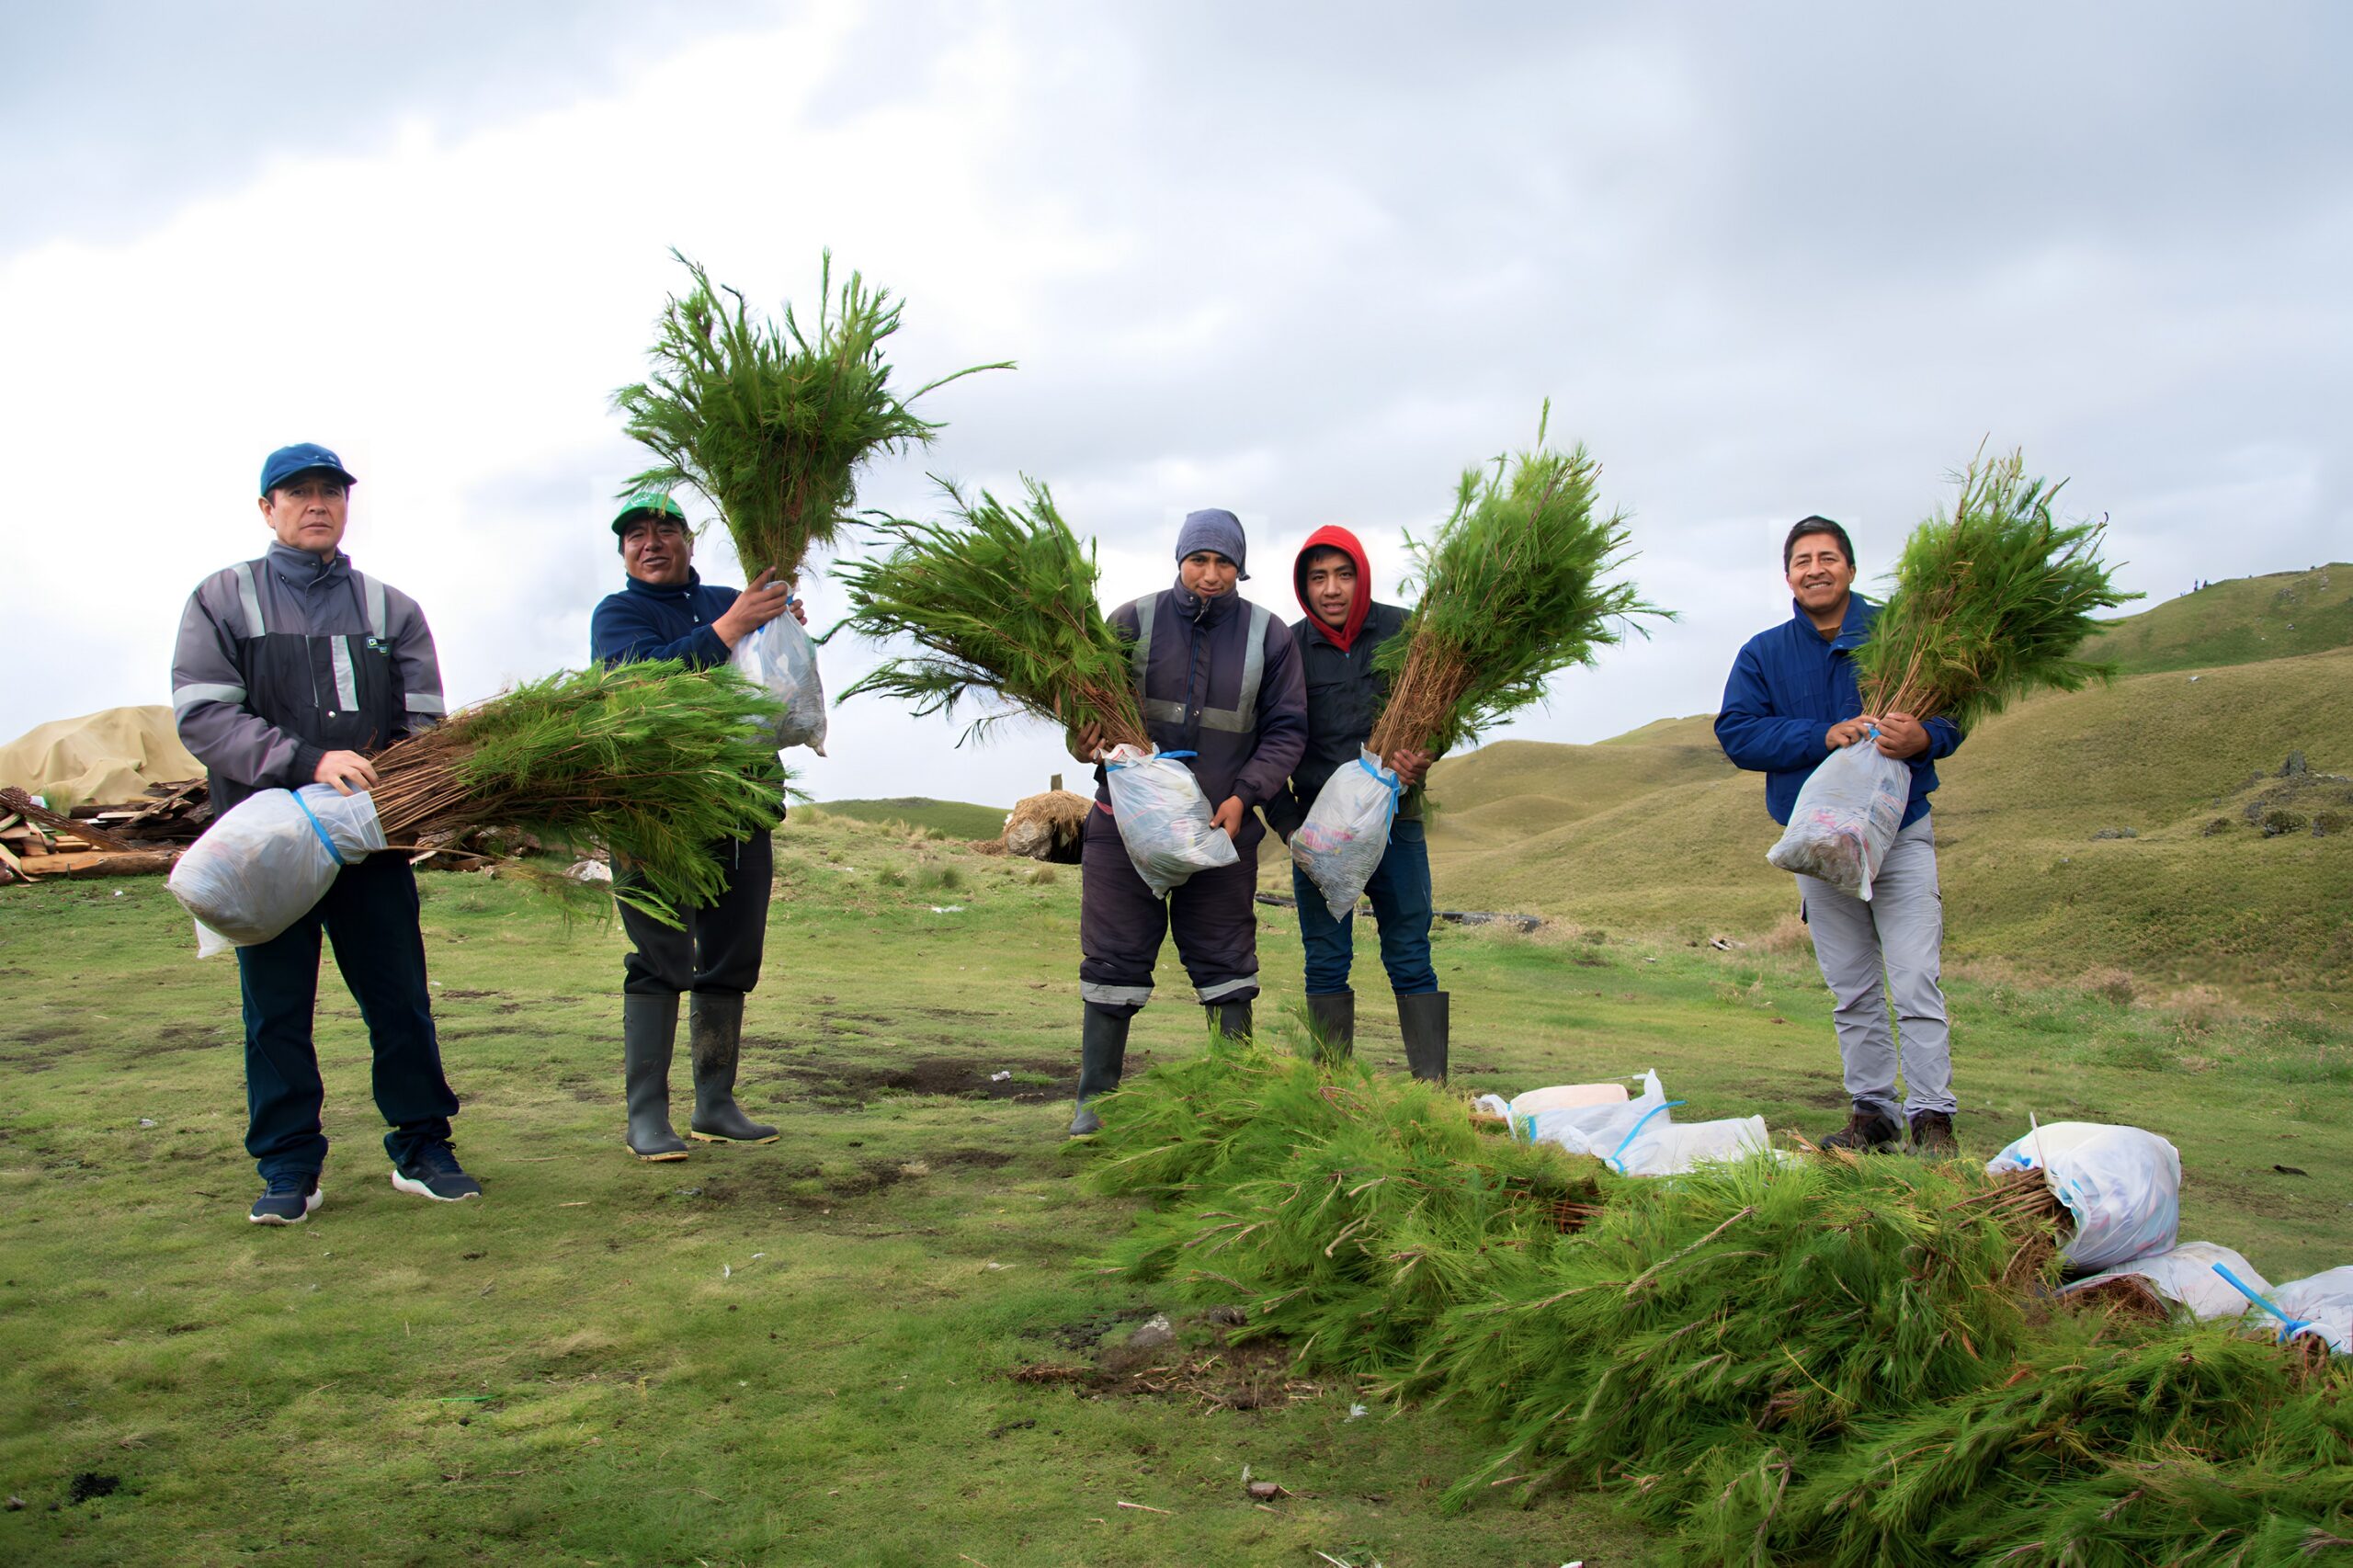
1163	817
1347	832
261	867
780	657
2122	1185
2186	1276
1846	818
1639	1136
2325	1303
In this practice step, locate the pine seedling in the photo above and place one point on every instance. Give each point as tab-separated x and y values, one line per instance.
1988	602
647	762
771	423
1001	601
1516	586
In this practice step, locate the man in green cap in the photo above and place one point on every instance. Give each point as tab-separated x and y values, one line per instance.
666	612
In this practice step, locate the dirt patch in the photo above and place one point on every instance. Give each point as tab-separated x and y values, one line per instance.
1201	1367
787	1186
180	1037
846	1086
90	1483
469	996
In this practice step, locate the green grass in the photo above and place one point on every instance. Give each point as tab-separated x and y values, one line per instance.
949	819
802	1352
2235	622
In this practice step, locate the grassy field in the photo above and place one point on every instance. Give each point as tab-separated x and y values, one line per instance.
1654	832
813	1352
2236	622
949	819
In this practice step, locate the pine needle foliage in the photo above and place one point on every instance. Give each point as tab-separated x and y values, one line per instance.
1837	1360
1002	602
770	423
648	762
1515	588
1988	602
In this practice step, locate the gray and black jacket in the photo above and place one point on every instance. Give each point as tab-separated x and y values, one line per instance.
285	659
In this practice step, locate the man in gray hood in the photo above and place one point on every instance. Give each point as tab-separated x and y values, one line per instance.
290	669
1217	677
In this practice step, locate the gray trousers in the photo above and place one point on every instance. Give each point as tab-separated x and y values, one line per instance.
1890	947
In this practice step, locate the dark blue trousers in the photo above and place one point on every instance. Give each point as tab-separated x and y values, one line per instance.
1400	891
369	915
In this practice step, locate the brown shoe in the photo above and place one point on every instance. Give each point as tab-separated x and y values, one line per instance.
1868	1131
1932	1136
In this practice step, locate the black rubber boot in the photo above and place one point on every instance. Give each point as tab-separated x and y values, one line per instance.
1422	1019
1332	1018
649	1033
1102	1055
1868	1131
1231	1019
715	1030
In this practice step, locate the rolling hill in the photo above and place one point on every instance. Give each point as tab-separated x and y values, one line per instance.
1650	831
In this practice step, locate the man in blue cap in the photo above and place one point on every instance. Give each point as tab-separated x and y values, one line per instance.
289	670
666	612
1217	677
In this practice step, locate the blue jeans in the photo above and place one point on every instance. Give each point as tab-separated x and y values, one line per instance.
1400	891
369	915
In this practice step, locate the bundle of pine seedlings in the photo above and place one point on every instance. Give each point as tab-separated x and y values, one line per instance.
1516	585
1000	601
771	423
2107	1442
645	762
1989	601
648	763
1342	1210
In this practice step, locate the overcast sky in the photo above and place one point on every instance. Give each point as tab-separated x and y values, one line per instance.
1304	262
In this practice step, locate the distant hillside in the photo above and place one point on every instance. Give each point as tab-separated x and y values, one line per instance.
953	819
2235	622
1653	836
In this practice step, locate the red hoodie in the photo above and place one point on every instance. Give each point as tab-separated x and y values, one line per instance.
1339	539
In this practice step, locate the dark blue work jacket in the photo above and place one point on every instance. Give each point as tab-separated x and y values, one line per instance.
1788	687
643	622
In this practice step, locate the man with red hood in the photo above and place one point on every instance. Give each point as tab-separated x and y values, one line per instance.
1344	697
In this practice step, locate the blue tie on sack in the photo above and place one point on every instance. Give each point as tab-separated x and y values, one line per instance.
335	854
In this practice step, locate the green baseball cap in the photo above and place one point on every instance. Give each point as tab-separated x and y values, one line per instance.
647	503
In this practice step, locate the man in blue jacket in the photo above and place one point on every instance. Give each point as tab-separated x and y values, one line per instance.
1218	678
1792	700
666	612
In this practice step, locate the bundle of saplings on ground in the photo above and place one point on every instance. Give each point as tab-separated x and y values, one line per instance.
1516	585
771	423
1825	1359
1988	602
999	601
646	762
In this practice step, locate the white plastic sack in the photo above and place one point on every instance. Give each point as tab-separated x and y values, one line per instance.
1639	1136
2186	1276
2326	1303
262	866
1163	818
1347	832
780	657
2122	1185
1845	819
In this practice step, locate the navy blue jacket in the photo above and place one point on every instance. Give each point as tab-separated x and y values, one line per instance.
645	623
1788	685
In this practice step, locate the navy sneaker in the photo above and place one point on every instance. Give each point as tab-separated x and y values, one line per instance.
434	1172
288	1200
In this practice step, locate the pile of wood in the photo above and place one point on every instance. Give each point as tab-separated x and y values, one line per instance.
133	838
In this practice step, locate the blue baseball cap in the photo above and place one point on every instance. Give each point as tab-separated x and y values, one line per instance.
300	458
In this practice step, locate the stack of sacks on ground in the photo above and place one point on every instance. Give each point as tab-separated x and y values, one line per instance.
1636	1136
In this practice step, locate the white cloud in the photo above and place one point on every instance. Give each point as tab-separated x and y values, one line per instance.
1303	264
